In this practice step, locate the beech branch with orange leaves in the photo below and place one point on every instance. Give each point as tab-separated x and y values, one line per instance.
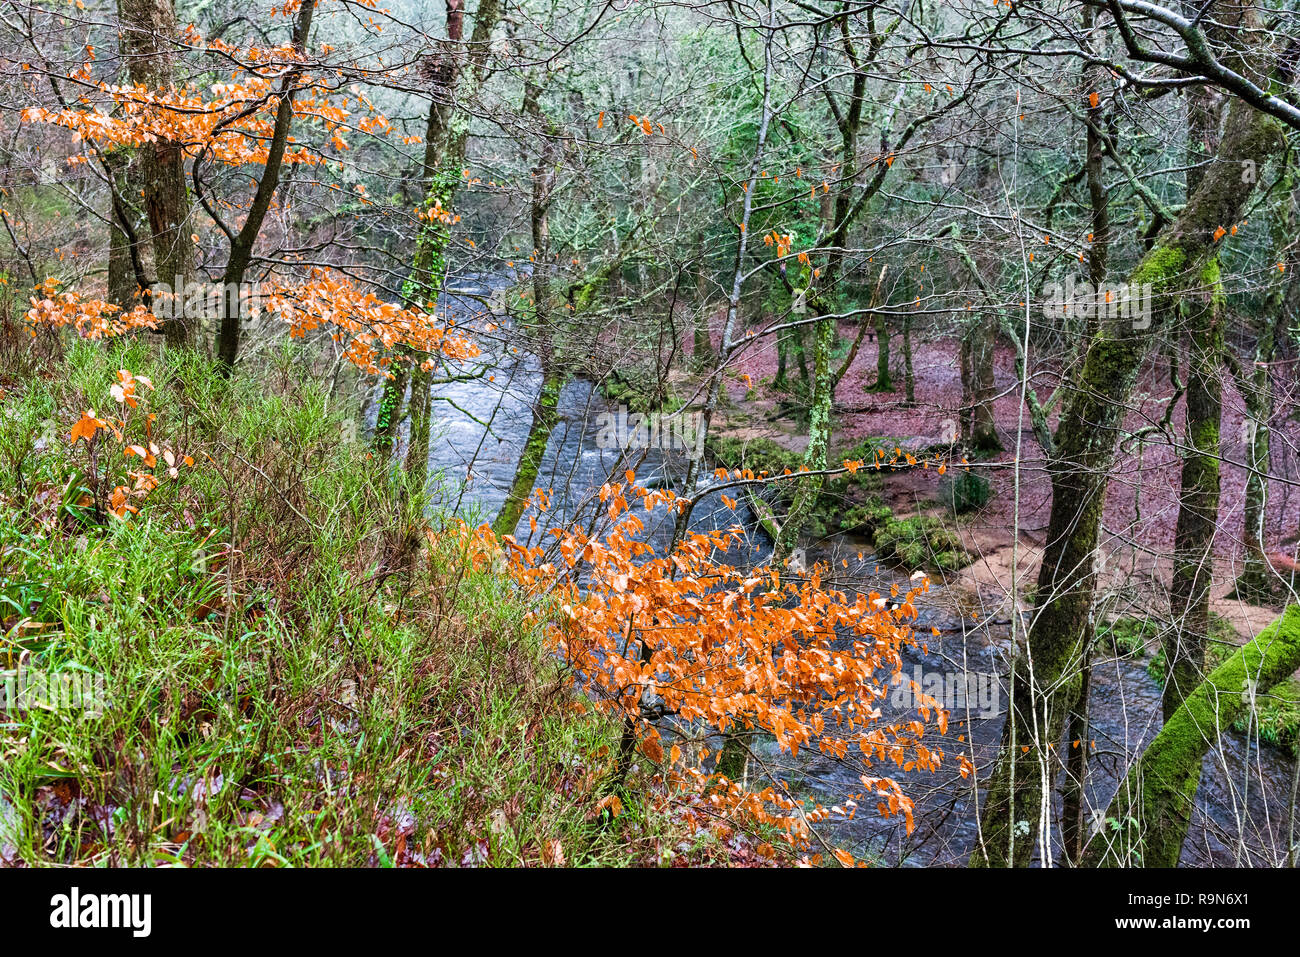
709	644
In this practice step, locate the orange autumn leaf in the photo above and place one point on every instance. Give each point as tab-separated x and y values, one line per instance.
85	428
652	749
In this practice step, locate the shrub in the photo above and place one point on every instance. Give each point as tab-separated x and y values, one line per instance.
964	491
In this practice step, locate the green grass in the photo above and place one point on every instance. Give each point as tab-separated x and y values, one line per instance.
294	674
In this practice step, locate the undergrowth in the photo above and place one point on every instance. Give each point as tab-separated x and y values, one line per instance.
291	665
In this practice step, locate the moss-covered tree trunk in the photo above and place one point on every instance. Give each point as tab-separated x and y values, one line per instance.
391	398
1047	674
1073	813
1077	735
545	416
546	408
1198	505
808	488
446	134
1255	583
845	209
1147	821
417	449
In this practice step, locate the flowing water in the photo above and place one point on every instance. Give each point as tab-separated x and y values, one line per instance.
479	436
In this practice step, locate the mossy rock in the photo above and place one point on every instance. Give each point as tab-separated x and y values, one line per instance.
951	561
919	541
865	451
1278	716
847	503
868	516
757	455
639	393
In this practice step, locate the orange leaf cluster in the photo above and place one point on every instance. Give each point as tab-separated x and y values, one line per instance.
235	123
145	479
92	318
783	242
371	326
714	645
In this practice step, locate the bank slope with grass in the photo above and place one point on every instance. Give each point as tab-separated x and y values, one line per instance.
293	663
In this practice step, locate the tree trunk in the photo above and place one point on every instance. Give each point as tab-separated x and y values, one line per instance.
546	408
391	398
703	354
1256	582
809	488
1047	678
1074	825
1074	830
984	432
978	427
1198	507
417	449
147	29
883	382
966	415
801	356
864	324
241	247
545	416
780	382
444	152
123	290
909	376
